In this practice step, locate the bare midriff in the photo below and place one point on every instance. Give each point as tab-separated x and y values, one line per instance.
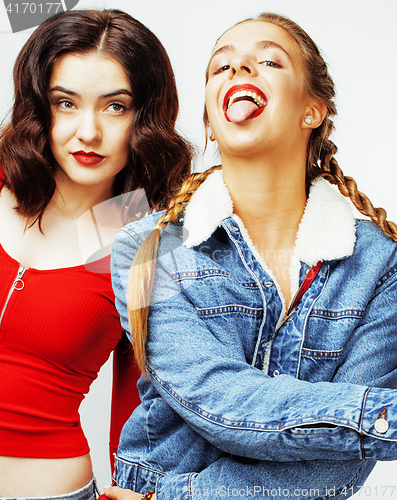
39	477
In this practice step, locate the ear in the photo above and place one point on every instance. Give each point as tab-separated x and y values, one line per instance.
314	114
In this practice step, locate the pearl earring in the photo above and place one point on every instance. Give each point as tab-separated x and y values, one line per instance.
308	120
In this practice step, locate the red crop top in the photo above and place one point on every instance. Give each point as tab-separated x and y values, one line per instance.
57	328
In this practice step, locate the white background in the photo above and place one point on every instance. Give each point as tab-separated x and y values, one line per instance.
358	39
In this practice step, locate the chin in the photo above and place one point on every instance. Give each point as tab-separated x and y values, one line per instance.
243	147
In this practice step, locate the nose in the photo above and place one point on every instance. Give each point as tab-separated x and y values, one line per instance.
88	129
242	64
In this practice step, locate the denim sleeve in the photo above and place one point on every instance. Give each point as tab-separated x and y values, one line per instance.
124	249
371	360
231	477
238	408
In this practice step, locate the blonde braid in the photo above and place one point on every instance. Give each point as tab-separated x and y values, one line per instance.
332	172
140	282
178	202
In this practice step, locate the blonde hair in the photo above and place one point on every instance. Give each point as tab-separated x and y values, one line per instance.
320	162
143	268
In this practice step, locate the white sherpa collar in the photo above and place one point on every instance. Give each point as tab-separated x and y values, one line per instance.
326	231
208	206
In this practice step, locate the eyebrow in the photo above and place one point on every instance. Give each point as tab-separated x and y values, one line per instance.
263	44
75	94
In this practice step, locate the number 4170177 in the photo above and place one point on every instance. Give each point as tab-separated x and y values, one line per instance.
369	491
33	8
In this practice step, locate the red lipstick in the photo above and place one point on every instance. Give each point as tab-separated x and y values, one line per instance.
246	87
90	158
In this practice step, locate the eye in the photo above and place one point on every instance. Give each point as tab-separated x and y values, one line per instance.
221	69
65	104
117	107
272	64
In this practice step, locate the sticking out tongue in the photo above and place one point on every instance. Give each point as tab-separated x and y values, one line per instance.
241	110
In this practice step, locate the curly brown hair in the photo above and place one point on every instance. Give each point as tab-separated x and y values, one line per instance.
159	158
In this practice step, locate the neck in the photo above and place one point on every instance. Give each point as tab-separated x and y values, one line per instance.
72	200
269	196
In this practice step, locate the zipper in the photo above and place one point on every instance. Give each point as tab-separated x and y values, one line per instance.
310	276
17	285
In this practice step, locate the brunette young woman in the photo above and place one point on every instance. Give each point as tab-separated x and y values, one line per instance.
93	118
267	336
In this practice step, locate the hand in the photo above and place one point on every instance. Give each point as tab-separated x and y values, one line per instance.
116	493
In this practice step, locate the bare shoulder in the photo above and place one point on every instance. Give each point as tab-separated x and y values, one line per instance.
12	225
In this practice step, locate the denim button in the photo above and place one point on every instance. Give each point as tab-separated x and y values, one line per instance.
235	229
275	373
268	284
381	425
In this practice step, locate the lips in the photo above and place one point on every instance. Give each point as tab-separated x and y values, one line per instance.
253	102
85	158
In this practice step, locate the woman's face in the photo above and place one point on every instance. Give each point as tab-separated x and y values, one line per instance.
91	102
255	94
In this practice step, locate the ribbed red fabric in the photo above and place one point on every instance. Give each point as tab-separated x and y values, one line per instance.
55	334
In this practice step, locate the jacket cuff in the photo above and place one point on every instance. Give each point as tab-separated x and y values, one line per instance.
379	424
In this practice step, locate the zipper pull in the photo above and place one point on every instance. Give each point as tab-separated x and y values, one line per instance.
18	283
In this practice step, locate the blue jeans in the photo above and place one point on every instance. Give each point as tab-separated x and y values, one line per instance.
87	492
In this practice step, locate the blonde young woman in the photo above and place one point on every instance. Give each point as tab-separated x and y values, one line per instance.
263	314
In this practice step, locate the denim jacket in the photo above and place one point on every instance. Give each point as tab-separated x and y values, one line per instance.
240	392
